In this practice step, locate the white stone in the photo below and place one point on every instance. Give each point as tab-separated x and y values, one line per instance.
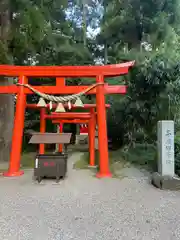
166	162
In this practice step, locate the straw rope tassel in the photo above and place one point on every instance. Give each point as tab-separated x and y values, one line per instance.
78	103
50	105
60	108
41	103
69	105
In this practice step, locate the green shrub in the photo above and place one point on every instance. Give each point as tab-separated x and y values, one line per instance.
143	155
177	153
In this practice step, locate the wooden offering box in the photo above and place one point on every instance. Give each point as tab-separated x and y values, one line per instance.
51	165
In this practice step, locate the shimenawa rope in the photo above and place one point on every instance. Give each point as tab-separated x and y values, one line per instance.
60	99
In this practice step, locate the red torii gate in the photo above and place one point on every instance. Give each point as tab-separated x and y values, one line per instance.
59	118
99	72
44	116
82	117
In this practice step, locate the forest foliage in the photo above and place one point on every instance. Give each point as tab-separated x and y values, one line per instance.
63	33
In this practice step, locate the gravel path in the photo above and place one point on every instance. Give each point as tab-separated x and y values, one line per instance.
83	207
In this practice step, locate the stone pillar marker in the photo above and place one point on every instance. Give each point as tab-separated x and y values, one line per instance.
166	148
165	178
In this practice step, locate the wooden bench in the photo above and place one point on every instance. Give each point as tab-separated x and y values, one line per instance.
51	165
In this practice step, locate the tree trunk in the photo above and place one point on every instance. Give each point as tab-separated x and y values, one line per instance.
6	101
105	53
105	43
84	27
6	121
4	21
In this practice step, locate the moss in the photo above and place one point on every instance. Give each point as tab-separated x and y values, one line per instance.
82	163
27	160
142	156
116	163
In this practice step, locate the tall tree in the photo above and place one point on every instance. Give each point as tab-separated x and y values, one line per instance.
148	32
6	101
128	23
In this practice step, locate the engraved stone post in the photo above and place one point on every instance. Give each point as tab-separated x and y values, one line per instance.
166	148
165	178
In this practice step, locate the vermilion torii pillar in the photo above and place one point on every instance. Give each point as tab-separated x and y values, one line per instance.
17	137
98	72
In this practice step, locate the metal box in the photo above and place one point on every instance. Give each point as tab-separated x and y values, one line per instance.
50	166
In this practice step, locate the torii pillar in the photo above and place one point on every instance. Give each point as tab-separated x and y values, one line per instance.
102	130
